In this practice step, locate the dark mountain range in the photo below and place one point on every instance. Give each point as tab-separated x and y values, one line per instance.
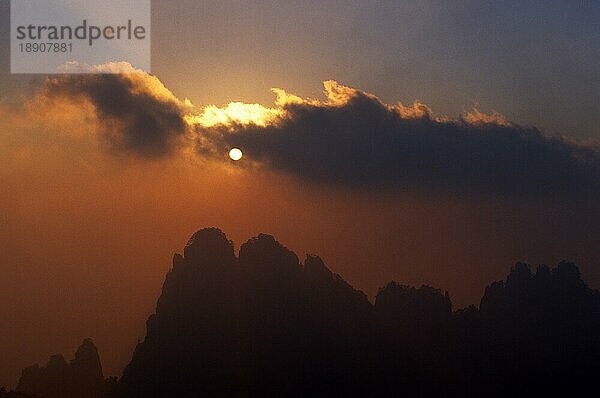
264	325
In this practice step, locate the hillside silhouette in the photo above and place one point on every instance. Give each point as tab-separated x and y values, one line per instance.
263	324
81	377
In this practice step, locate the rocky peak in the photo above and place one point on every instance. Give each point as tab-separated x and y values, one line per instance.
313	265
87	360
209	246
263	254
80	378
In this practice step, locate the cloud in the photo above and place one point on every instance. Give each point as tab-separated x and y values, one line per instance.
353	138
135	112
349	138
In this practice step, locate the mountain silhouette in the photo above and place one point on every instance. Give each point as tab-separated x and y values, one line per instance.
264	324
80	378
256	325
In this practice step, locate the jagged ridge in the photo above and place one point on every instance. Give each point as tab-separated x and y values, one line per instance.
262	324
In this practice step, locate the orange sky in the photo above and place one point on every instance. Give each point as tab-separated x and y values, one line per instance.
87	238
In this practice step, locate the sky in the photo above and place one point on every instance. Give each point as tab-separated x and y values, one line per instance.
496	162
533	61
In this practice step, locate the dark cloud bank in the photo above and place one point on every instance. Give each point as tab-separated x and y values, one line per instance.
365	143
352	139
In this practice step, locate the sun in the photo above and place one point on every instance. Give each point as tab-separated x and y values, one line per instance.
235	153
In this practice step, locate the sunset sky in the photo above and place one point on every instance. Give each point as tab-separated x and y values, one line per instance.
426	142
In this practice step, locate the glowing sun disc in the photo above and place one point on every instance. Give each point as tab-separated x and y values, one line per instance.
235	154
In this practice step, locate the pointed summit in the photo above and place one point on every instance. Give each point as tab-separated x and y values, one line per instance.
87	361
